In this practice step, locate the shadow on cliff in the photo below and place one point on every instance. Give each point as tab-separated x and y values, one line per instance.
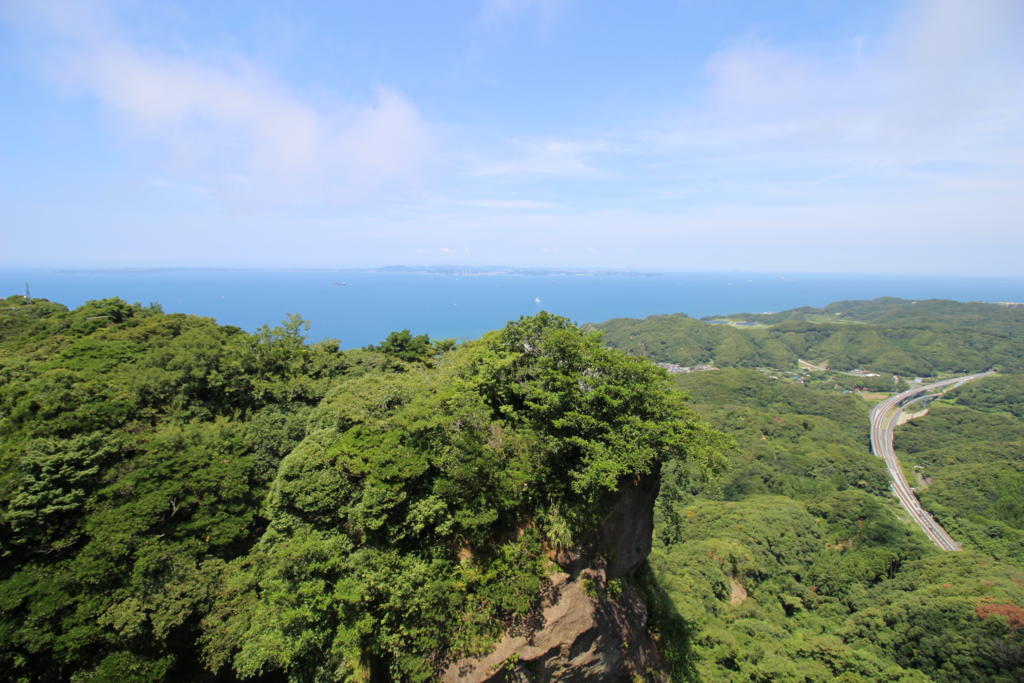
673	634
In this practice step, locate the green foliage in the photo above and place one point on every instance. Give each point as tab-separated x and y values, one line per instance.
666	625
419	507
970	455
405	347
746	580
888	335
992	490
950	424
181	500
889	310
401	348
750	388
135	452
797	564
884	382
790	440
184	501
995	393
931	618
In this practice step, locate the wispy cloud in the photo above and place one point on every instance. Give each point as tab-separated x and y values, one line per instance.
947	84
545	158
514	204
756	155
228	117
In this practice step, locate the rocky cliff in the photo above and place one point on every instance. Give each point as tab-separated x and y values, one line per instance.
591	624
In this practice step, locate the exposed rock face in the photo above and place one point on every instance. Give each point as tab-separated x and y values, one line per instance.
623	541
591	627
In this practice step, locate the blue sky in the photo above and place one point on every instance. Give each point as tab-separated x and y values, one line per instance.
818	136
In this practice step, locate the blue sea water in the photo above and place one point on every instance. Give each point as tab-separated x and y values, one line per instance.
369	305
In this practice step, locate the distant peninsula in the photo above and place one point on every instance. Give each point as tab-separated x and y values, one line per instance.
485	271
462	271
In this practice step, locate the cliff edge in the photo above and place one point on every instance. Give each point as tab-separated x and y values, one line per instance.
591	625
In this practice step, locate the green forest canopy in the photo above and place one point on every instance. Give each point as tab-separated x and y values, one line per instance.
886	335
797	564
179	497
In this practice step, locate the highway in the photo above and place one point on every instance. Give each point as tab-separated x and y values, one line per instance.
883	421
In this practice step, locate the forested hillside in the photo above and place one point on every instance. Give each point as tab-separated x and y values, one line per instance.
181	500
968	453
137	450
893	311
888	335
797	564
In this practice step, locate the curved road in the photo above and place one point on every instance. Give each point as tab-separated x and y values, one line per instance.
883	421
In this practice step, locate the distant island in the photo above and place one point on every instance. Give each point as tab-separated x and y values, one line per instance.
493	271
462	271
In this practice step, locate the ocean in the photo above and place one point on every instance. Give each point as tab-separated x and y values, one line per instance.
361	307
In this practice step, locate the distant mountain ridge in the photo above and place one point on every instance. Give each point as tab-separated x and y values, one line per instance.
886	334
893	310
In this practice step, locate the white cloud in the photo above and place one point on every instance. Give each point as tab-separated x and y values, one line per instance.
531	158
947	84
523	204
226	117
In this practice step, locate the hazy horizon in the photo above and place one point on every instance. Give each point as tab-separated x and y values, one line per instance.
426	267
804	137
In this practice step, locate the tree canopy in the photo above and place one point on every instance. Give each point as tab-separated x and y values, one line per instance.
887	335
179	497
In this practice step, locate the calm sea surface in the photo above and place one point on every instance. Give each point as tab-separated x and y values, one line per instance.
368	306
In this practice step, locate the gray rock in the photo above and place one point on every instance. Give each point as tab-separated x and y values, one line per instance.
592	627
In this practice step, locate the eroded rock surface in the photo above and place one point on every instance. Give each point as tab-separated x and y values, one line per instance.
592	626
623	541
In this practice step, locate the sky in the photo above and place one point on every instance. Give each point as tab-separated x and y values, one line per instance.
683	135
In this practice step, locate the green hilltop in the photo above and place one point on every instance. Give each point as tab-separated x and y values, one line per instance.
181	500
888	335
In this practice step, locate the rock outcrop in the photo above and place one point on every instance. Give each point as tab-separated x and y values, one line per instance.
591	625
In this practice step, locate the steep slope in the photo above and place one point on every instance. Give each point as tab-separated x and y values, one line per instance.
591	625
424	510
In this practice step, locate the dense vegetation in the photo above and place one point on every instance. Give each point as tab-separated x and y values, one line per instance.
798	566
186	501
893	311
969	453
180	500
889	335
136	452
998	393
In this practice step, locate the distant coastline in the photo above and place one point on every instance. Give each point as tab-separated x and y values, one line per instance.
504	271
465	302
460	271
